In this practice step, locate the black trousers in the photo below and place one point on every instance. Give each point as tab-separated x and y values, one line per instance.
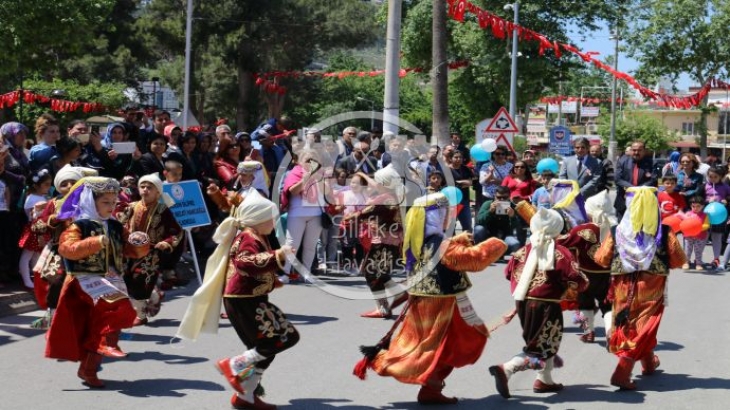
261	325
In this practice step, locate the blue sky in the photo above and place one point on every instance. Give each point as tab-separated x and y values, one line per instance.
600	41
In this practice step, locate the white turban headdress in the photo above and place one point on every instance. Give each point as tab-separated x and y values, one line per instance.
545	226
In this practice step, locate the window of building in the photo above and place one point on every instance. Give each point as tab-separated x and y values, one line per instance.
688	128
724	126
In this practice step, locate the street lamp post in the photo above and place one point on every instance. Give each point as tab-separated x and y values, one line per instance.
612	140
372	111
727	113
513	77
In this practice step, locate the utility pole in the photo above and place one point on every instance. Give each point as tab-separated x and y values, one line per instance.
612	140
391	101
440	74
513	75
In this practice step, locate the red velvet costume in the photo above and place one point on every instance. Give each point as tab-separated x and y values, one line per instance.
158	222
583	243
79	325
251	276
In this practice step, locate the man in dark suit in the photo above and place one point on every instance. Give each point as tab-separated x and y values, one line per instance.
359	161
633	169
582	168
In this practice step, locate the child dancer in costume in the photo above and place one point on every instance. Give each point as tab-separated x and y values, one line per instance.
383	234
640	255
539	275
440	330
244	268
92	308
49	272
153	218
30	242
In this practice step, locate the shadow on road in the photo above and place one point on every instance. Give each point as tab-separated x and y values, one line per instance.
325	403
668	347
309	320
677	382
163	357
160	387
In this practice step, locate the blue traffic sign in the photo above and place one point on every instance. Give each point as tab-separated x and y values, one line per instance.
189	208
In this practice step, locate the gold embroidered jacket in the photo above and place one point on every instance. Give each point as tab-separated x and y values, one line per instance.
252	266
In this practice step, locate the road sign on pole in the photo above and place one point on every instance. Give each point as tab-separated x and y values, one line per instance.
502	129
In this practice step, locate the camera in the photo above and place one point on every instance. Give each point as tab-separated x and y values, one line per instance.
502	207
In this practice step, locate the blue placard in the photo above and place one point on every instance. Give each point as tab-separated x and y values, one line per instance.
560	142
189	208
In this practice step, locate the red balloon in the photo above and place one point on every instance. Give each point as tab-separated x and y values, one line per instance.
691	226
673	221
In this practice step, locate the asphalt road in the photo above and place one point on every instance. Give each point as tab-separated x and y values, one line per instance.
317	373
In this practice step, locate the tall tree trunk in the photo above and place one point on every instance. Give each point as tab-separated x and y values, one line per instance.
439	80
245	90
275	102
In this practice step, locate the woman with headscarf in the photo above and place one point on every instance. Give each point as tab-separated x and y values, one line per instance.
99	153
93	306
540	274
671	167
14	135
243	271
440	330
640	256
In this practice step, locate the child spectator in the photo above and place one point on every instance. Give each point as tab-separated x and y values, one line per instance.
541	196
31	243
696	243
717	191
670	201
436	181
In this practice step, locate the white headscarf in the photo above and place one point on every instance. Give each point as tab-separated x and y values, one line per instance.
601	212
390	179
203	312
71	173
155	180
545	226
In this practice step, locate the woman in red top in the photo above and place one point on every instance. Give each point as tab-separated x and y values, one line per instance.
225	163
521	186
520	183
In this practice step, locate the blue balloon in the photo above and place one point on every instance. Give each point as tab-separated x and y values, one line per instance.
479	154
716	212
454	195
548	164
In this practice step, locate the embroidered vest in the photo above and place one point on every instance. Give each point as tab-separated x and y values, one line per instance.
96	264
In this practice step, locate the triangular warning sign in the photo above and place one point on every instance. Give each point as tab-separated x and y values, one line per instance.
502	122
502	140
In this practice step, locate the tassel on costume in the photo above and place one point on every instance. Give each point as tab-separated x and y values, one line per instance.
370	352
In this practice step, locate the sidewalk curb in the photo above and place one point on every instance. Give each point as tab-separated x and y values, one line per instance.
17	303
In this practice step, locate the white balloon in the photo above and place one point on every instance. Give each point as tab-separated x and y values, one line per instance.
489	145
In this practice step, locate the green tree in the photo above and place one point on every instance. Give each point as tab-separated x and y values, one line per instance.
254	36
636	127
672	37
36	34
479	90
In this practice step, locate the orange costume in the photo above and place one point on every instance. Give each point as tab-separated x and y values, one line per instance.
640	255
92	308
440	329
